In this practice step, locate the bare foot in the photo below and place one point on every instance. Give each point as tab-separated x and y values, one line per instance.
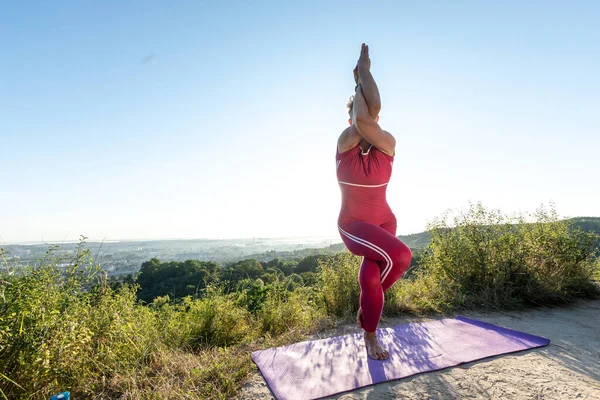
374	349
359	320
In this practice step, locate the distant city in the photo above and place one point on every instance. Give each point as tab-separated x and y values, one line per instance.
126	257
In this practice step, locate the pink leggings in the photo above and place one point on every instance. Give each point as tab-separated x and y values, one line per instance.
385	259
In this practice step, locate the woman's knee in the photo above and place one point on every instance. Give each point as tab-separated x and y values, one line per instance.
369	283
402	256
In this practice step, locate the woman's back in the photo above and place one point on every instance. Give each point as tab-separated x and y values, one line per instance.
363	177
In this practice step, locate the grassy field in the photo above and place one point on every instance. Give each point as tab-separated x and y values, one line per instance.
76	331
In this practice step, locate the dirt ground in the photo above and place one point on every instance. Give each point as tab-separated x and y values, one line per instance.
569	368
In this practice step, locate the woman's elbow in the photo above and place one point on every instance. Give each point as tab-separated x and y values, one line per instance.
362	118
374	110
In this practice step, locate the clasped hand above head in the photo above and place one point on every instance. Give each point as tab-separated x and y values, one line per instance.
363	63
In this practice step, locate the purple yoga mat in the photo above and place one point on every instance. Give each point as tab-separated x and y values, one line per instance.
319	368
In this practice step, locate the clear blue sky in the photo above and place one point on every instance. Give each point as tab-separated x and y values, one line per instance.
155	119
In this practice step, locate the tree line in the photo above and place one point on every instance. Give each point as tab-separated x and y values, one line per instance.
179	279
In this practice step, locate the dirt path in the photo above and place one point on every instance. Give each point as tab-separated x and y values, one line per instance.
569	368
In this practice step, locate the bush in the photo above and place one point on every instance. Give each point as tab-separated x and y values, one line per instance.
284	310
55	335
73	331
420	294
339	285
251	294
213	321
488	259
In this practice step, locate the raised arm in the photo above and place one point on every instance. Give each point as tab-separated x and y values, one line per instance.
363	76
368	127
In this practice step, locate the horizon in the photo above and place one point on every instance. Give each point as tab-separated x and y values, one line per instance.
145	120
44	242
335	238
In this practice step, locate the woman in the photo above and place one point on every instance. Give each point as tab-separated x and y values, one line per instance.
367	225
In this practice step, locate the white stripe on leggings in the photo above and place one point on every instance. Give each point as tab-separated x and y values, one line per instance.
374	247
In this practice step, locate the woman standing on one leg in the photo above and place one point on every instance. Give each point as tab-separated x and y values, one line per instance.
367	225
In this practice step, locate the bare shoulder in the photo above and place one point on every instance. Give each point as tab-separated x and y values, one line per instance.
348	139
392	138
392	143
347	133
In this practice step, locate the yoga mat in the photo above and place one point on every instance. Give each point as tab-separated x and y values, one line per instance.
320	368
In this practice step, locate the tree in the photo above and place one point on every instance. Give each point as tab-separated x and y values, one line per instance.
245	269
176	279
307	264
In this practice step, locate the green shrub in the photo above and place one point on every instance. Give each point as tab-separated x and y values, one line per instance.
252	293
338	284
213	321
596	275
284	310
488	259
56	335
420	294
